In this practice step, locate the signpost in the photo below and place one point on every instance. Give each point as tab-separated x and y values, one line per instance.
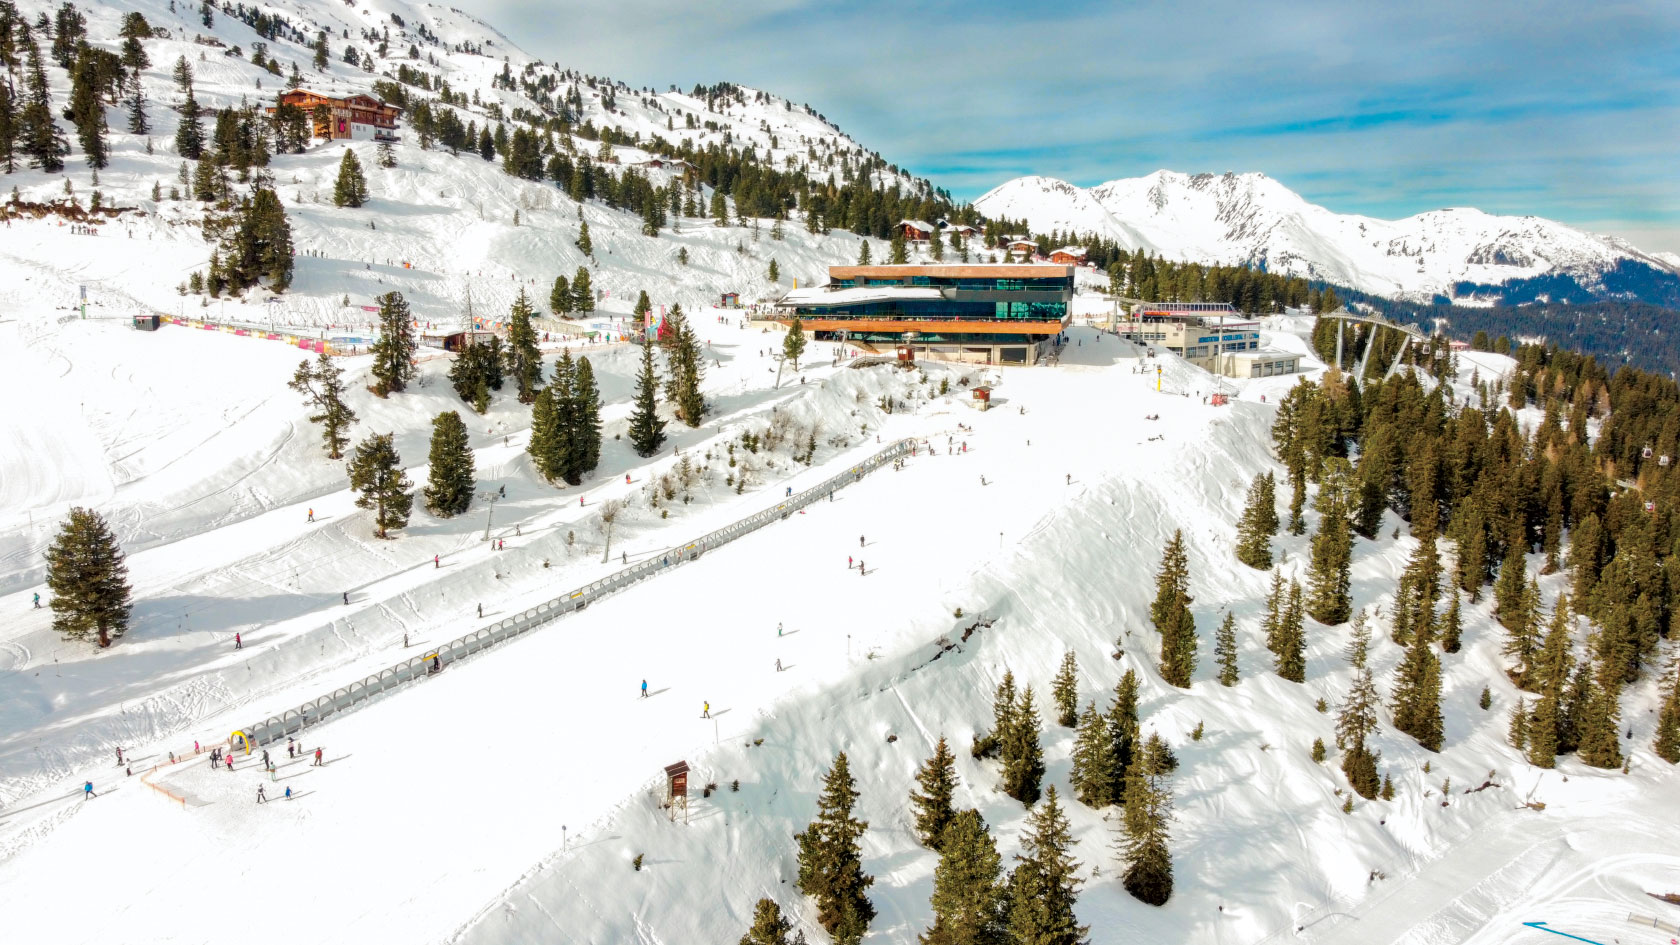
676	790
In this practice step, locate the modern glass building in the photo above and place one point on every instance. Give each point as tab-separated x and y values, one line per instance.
987	314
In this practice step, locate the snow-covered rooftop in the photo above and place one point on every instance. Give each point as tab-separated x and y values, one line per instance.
822	295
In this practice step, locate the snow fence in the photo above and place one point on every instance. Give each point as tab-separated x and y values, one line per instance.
292	721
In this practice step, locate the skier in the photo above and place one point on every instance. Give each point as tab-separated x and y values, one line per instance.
504	491
644	689
778	633
347	598
261	796
849	562
87	791
265	758
1070	479
480	610
119	757
405	641
860	541
705	710
288	793
37	601
789	491
318	758
435	563
238	642
860	567
437	665
291	749
312	515
626	478
982	479
778	664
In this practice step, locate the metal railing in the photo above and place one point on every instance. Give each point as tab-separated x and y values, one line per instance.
276	727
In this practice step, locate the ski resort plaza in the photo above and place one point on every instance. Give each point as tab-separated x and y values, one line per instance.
990	314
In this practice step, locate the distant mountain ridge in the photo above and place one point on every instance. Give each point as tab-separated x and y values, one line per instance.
1252	219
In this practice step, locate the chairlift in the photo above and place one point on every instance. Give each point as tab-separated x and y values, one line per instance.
1646	452
1662	460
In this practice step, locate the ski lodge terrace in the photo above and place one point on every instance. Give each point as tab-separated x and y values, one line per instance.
983	314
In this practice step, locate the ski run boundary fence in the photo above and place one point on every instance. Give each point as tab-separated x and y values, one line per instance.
292	721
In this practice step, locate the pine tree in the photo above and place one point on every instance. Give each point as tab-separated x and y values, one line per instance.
1292	638
936	247
1332	549
386	155
1023	759
938	781
775	272
1259	523
1518	731
450	483
1272	624
136	96
1508	591
189	133
547	433
1225	651
863	252
1065	690
768	928
584	245
1357	721
88	578
586	419
1452	625
350	190
793	343
899	255
376	473
393	353
1600	744
1522	634
647	431
322	387
522	359
1171	614
968	897
1417	691
831	860
1148	876
86	110
686	370
1122	733
1093	760
583	294
1003	715
1667	741
38	133
1044	884
560	297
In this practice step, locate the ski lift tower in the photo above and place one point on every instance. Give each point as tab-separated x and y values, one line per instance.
676	790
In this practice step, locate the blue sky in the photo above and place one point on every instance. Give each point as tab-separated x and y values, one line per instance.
1564	110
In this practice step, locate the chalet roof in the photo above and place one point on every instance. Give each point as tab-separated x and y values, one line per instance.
1019	242
1078	251
918	224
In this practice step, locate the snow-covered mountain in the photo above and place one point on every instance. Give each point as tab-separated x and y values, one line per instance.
1253	219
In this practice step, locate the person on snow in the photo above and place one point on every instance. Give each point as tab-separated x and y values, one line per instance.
778	664
705	710
778	628
644	689
288	793
347	598
265	758
37	601
238	642
312	515
317	759
261	797
860	567
291	750
435	563
481	610
119	757
860	541
436	665
87	791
